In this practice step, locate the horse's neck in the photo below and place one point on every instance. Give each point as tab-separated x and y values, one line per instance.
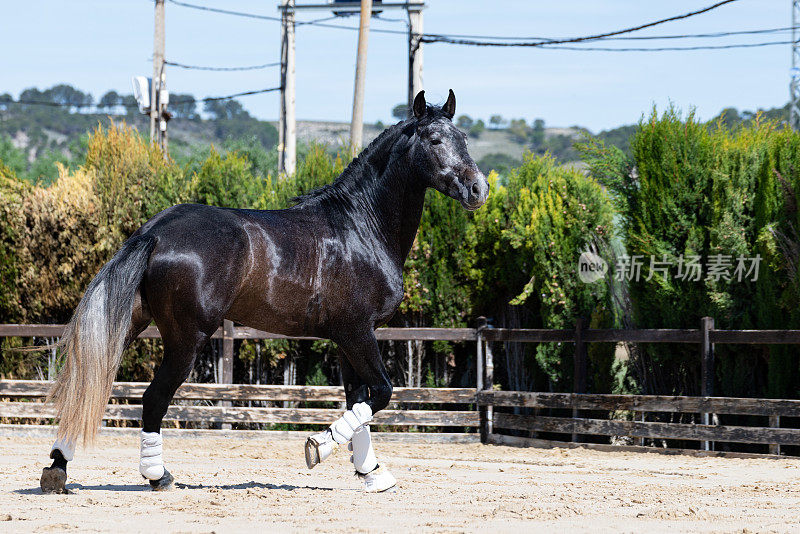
397	209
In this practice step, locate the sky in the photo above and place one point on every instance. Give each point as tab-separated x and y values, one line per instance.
97	45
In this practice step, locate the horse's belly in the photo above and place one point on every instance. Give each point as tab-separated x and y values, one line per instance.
282	309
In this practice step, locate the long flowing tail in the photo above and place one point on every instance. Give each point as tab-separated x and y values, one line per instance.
94	340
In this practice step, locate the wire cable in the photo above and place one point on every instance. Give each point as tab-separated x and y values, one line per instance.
477	40
226	69
237	95
224	11
458	41
626	37
131	106
666	48
318	22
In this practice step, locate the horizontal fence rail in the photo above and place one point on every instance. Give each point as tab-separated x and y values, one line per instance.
35	389
641	403
523	335
637	404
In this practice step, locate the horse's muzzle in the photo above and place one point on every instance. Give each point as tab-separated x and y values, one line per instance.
477	191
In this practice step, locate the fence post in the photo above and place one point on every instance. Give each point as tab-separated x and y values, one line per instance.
479	371
227	361
706	368
775	422
579	368
481	324
488	383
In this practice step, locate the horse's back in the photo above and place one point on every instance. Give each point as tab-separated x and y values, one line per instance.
250	266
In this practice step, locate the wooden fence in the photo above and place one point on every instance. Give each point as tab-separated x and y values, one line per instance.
481	408
123	392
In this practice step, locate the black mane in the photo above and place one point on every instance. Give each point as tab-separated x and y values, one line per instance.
377	155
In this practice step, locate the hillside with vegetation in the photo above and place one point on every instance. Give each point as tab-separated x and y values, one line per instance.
33	138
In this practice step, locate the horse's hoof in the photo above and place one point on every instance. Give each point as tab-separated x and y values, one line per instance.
378	480
53	480
318	448
164	483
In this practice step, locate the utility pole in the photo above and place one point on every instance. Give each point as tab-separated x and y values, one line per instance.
794	84
158	77
415	8
357	123
287	123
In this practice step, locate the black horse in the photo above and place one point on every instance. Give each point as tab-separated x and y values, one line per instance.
330	266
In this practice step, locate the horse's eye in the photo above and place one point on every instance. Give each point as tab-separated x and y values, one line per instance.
436	141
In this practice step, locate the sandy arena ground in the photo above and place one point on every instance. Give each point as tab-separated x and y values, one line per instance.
236	485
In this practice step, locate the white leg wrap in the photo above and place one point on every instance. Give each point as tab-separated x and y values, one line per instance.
151	462
321	445
344	427
363	458
67	448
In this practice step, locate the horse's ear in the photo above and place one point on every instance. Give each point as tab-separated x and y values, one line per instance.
420	107
449	107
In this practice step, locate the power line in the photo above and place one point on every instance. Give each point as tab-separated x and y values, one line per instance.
701	35
253	15
224	11
317	22
179	101
667	48
470	42
237	95
625	38
226	69
465	39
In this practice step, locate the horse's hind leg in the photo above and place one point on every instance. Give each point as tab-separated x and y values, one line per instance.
54	478
179	356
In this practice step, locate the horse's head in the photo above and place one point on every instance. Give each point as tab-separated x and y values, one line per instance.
440	154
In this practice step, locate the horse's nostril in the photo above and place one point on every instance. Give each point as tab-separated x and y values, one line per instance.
476	189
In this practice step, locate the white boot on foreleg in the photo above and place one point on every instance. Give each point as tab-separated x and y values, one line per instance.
376	478
321	445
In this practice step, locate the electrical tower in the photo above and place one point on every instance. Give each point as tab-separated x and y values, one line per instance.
794	85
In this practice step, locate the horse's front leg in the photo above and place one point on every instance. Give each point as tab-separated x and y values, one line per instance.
367	390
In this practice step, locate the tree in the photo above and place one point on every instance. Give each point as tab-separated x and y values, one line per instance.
225	109
465	122
184	106
729	117
537	134
477	129
109	101
5	98
501	163
519	129
130	105
68	96
497	121
32	94
400	112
